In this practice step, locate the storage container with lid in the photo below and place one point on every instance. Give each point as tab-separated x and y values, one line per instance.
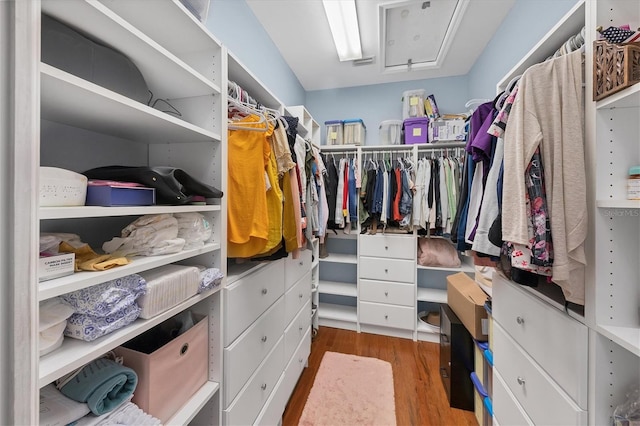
334	132
354	131
390	132
413	103
415	130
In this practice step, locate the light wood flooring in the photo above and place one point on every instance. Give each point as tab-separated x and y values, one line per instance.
419	394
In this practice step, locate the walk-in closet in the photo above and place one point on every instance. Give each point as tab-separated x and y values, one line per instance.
216	213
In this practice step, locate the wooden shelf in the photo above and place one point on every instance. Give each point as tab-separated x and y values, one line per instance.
627	98
97	211
338	288
79	280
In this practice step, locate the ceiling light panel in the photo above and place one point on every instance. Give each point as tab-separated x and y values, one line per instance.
413	32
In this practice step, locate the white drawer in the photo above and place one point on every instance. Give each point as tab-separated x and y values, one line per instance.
387	292
294	269
247	405
246	299
296	297
387	315
390	246
556	341
244	355
377	268
274	408
506	409
542	399
295	331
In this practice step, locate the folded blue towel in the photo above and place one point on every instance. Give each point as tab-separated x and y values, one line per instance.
103	384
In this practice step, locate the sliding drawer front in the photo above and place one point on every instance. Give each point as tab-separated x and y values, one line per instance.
246	299
296	297
389	246
542	399
244	355
294	269
506	409
295	331
247	405
556	341
377	268
274	408
387	292
387	315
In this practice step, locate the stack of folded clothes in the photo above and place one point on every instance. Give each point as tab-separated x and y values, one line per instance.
53	320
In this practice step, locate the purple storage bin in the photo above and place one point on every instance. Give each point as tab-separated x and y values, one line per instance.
415	130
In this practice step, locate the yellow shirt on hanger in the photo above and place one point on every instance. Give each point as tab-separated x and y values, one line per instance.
247	218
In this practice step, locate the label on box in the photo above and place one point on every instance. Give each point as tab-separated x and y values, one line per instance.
413	101
333	135
417	131
485	326
56	266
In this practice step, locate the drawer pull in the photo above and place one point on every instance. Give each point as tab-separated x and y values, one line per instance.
520	381
263	386
301	263
386	293
386	247
300	360
386	271
300	295
300	329
520	320
386	316
264	339
264	291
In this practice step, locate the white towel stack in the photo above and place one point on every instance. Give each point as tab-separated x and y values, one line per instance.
167	286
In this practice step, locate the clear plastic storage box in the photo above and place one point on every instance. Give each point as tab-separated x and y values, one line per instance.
390	132
413	103
334	132
354	132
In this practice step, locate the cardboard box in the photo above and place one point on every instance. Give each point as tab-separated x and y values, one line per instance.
170	375
466	299
57	266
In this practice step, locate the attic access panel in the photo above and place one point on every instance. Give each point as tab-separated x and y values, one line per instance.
415	34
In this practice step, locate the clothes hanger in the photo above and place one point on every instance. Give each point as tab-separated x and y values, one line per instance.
237	106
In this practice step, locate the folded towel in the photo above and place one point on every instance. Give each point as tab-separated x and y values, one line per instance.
58	410
103	384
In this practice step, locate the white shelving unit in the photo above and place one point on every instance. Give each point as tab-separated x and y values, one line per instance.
613	294
82	125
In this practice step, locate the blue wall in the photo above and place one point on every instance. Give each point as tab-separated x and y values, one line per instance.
527	22
235	25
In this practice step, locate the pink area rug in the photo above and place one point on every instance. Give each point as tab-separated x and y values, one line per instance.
351	390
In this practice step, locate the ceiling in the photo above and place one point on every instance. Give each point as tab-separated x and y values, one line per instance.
300	30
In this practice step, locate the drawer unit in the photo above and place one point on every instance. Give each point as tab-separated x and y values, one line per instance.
389	246
387	315
273	409
244	355
247	405
294	269
557	342
387	292
246	299
296	297
295	331
544	401
376	268
506	409
456	360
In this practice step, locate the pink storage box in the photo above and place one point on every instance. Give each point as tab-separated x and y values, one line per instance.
168	377
415	130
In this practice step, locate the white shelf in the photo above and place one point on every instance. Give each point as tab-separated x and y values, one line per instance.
434	295
466	265
239	74
618	204
79	280
96	211
338	312
627	98
340	258
195	404
71	100
341	235
75	353
160	68
338	288
427	328
627	337
339	148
